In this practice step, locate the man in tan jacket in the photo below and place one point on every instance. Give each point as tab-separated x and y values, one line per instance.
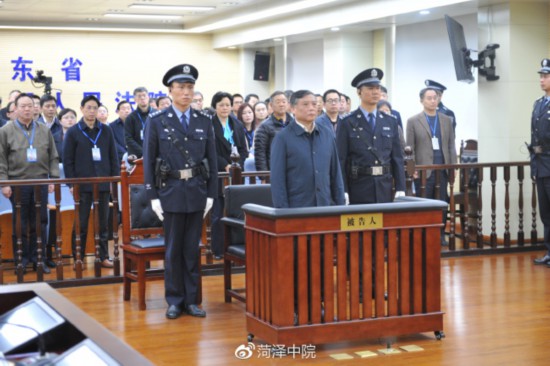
431	136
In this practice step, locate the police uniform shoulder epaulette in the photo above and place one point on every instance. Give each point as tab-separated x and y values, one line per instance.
202	113
386	114
157	113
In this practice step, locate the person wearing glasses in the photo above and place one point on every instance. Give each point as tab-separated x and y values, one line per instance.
331	117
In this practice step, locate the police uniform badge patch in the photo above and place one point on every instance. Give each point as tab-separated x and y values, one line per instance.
186	69
374	73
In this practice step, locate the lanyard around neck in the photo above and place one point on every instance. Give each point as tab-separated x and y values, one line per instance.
434	128
94	142
31	140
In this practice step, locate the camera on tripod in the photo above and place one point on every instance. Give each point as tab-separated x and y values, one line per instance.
40	78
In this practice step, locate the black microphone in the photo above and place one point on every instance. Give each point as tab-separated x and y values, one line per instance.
40	340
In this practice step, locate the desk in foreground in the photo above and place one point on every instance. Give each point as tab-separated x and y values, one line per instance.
78	326
330	274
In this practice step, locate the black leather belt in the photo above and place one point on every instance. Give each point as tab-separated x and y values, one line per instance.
373	170
184	173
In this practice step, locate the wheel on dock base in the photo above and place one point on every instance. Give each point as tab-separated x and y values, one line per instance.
250	337
439	334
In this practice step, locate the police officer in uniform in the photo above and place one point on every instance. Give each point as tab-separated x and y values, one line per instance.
440	88
179	160
540	154
368	147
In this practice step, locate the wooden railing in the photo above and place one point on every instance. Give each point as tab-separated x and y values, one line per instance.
487	219
62	230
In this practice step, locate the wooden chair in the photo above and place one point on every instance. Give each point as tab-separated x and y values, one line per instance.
468	154
142	240
142	235
235	247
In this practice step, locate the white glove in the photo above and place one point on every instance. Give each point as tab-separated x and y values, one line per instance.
399	194
209	203
346	198
157	208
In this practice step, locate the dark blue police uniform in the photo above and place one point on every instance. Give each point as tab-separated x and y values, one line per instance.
370	159
540	159
183	200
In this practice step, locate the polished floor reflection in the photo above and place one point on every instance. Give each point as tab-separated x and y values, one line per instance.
497	313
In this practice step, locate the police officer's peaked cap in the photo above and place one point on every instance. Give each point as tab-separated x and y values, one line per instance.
183	73
545	63
367	77
435	85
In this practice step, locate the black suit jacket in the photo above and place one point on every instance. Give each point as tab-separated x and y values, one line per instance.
223	147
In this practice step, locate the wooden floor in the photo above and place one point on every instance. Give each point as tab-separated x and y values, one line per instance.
497	313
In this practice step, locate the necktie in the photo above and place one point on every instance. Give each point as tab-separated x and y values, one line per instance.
184	122
370	117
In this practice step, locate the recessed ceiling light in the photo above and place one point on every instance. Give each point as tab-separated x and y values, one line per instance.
142	16
424	12
277	39
172	7
92	19
228	3
231	47
335	29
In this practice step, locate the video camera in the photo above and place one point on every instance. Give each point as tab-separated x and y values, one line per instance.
40	78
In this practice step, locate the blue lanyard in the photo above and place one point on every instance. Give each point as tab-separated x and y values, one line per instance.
94	142
434	128
141	119
25	133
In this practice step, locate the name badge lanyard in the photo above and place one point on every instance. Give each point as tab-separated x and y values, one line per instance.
435	140
31	140
31	151
95	151
142	122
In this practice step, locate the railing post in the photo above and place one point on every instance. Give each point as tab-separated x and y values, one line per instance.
116	259
521	238
506	206
452	210
38	222
97	228
58	231
534	235
479	208
493	207
16	191
235	171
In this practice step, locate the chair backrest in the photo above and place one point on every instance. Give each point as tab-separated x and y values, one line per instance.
238	195
468	154
137	216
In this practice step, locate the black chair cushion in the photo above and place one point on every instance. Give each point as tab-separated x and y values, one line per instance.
237	250
148	243
238	195
142	215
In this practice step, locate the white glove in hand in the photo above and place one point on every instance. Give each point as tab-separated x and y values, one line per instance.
399	194
209	203
157	208
346	198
